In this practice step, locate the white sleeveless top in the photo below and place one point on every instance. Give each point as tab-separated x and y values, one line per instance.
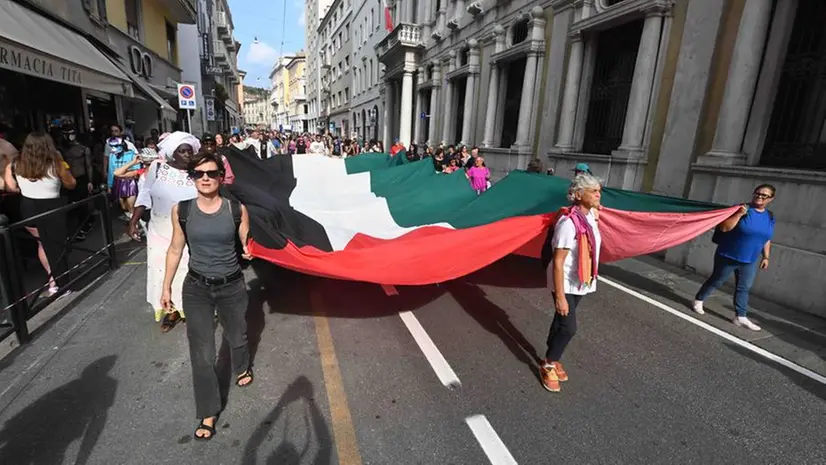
47	187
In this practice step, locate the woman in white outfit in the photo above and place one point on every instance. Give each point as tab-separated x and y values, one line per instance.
165	184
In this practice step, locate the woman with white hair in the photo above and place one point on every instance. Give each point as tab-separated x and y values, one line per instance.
570	256
165	183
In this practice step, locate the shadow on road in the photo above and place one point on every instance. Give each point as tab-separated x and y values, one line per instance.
495	320
42	432
814	387
311	420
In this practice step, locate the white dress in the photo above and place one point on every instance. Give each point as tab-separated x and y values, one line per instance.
162	188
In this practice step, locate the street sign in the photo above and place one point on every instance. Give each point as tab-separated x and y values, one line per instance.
210	109
186	97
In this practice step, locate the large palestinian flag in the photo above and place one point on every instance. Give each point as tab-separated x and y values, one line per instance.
381	219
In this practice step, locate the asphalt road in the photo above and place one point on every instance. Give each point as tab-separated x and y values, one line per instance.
340	379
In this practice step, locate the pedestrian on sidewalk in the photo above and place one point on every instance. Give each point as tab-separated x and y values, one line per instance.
570	256
165	183
210	226
743	244
38	174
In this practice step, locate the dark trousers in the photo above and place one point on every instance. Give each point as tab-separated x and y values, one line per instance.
79	217
200	302
562	330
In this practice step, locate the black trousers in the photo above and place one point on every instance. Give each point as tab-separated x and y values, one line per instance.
563	329
200	302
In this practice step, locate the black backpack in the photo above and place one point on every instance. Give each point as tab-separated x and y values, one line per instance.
185	207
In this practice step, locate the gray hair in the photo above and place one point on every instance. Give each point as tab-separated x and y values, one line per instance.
580	183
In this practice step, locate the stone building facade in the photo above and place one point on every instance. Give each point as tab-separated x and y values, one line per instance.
368	30
336	68
314	11
702	99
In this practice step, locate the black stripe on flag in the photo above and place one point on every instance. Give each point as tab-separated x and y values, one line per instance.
264	187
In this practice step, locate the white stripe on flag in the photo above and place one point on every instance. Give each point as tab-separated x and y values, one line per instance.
343	204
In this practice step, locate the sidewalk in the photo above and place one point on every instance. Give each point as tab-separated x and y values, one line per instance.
796	336
100	384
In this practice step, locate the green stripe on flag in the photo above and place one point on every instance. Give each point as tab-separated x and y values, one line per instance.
417	195
374	161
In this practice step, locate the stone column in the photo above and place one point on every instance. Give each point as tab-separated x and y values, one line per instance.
409	14
526	103
417	114
448	102
742	80
490	111
636	115
432	137
406	107
493	89
426	17
470	92
565	138
388	113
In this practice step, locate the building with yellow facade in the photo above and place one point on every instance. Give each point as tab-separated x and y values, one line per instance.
297	101
144	34
286	77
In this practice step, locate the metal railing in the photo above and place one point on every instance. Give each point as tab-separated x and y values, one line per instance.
19	304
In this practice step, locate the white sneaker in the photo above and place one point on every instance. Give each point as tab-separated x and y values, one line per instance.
745	322
698	307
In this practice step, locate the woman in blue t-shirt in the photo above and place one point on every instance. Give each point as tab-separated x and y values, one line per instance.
743	244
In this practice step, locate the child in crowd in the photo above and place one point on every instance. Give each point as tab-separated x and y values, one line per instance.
479	176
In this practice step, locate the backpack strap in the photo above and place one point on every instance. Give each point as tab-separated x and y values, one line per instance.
184	207
235	211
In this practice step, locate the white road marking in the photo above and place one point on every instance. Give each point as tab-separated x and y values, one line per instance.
733	339
437	361
493	446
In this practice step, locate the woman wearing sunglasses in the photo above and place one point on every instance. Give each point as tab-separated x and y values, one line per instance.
166	182
743	244
209	226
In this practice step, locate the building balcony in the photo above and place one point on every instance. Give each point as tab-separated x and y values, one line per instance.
404	37
221	23
181	11
299	97
475	8
231	45
219	50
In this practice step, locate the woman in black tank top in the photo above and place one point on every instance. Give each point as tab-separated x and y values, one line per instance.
210	226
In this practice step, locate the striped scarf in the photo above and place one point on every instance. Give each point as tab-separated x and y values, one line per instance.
586	240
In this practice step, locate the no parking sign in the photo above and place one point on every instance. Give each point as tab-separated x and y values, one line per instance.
186	97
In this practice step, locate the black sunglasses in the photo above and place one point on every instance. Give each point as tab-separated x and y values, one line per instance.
761	195
198	174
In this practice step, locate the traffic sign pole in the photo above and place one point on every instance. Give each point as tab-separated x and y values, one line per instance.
189	120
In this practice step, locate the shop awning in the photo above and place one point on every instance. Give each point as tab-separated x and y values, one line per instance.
37	46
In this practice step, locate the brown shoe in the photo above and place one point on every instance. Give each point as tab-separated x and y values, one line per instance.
550	380
560	372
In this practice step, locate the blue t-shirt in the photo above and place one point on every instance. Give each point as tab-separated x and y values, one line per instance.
745	242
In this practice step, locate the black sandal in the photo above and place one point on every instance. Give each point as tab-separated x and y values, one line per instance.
207	428
167	323
243	376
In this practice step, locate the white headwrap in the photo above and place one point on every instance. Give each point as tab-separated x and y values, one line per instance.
171	143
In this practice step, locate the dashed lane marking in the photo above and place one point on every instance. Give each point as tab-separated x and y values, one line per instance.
719	332
437	361
492	445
